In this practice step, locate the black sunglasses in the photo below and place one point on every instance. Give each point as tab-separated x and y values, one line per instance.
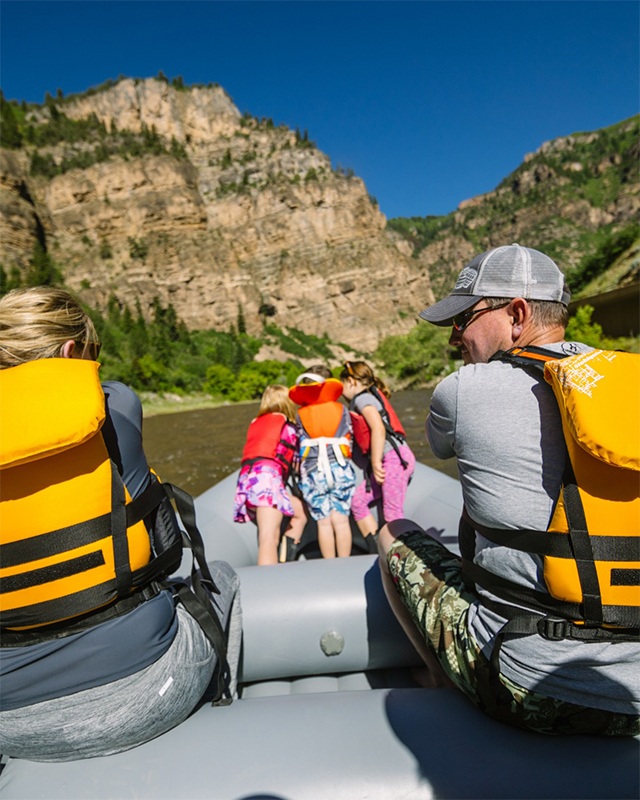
460	321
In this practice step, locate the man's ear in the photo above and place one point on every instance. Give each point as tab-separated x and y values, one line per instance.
519	311
66	351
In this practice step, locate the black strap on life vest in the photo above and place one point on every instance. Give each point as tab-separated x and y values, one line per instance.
59	630
392	436
195	595
113	525
138	586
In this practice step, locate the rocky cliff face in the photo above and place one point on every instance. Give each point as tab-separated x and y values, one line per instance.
147	189
564	199
213	212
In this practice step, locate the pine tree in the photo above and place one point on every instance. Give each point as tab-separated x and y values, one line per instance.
10	135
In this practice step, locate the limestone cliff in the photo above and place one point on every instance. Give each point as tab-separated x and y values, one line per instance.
568	199
146	188
170	192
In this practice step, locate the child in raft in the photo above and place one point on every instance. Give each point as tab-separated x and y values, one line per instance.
267	460
327	479
381	438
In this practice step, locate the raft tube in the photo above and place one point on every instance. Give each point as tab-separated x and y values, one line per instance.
328	709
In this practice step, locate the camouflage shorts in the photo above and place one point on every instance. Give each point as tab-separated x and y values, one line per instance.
428	578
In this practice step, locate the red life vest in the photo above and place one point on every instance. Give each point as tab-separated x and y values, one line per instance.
263	437
393	427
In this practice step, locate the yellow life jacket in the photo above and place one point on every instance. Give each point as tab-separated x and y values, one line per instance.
591	550
69	542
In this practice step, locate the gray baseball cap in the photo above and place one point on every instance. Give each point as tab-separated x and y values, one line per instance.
508	271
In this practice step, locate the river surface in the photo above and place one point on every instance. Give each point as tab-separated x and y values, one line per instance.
195	449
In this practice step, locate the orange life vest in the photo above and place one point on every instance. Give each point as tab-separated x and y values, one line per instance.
71	539
325	425
591	549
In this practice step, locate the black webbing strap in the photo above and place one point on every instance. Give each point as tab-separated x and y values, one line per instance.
52	572
512	592
196	597
553	629
393	437
582	550
197	602
537	357
56	542
58	630
146	502
558	545
120	539
159	567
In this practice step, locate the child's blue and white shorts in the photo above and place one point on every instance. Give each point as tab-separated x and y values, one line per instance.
322	499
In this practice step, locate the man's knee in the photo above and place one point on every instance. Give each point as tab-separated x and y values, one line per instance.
390	532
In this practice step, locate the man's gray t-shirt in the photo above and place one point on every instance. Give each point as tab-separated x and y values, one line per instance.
503	426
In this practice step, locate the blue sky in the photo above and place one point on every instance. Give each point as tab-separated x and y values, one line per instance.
429	102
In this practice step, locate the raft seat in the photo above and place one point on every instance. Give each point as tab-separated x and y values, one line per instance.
313	684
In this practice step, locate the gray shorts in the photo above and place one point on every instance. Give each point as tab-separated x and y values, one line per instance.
125	713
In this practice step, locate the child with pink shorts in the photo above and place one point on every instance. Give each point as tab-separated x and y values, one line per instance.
380	436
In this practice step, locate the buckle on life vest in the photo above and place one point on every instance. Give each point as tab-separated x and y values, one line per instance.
555	629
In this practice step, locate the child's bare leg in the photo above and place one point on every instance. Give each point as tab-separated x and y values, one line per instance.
342	531
269	520
297	521
326	539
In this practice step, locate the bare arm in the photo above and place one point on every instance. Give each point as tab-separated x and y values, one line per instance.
374	421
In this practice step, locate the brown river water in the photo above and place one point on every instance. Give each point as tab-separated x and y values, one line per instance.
195	449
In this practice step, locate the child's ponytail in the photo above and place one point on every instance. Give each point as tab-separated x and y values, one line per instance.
361	371
382	387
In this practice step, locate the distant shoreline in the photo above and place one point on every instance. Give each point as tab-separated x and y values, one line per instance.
154	405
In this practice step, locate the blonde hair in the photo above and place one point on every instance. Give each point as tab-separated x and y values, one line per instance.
35	323
275	399
361	371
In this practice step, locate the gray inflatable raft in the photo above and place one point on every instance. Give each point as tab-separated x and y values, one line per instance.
328	708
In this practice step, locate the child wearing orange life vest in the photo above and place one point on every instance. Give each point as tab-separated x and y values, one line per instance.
267	460
379	434
327	479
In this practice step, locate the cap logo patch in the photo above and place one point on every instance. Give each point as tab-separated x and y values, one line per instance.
466	278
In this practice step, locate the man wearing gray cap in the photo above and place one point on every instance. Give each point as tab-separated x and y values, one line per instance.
504	427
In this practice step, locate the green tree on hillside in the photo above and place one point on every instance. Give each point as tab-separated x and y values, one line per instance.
581	329
10	135
417	357
42	269
595	263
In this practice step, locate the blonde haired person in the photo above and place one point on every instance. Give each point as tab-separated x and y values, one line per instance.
44	322
267	461
96	658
